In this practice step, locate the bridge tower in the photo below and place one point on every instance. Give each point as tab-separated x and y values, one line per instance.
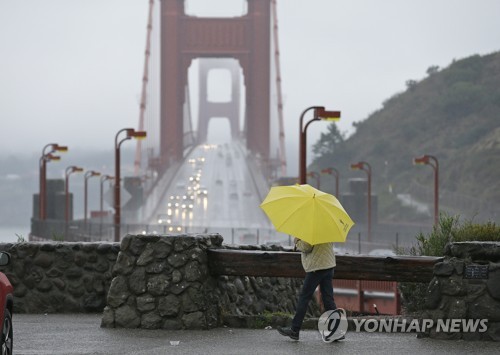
246	39
208	109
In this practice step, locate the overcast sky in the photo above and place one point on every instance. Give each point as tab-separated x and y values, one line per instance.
70	70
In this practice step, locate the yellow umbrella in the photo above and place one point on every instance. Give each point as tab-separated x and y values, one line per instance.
307	213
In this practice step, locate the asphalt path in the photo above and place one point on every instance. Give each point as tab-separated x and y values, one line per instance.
81	334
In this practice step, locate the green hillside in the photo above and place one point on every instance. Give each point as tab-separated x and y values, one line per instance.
452	114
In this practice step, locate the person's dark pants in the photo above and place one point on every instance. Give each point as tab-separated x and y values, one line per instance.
323	278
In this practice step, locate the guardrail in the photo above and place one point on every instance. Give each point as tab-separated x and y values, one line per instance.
350	267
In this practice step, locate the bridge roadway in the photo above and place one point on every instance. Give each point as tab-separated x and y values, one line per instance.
214	190
226	200
67	334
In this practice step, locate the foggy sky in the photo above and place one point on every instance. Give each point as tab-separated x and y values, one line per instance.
71	70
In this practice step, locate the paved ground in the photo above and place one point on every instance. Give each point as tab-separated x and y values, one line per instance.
81	334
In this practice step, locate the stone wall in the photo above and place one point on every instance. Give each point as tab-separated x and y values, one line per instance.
466	285
164	282
154	281
60	277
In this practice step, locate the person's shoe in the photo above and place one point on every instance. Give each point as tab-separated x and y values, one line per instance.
288	332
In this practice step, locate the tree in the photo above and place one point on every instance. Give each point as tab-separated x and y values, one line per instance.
411	84
433	69
328	142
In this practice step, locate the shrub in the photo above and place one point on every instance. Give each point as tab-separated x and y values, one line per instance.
448	230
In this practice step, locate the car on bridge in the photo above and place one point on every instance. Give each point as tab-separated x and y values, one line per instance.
164	219
7	303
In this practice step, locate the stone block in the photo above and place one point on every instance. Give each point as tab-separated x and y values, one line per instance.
108	318
457	309
493	332
102	265
151	320
433	296
484	308
172	324
127	317
443	269
162	249
195	320
118	292
169	305
44	260
475	289
93	302
177	259
180	287
146	256
192	272
74	273
239	286
184	243
145	303
124	264
157	267
176	276
493	283
476	251
80	259
453	286
157	285
137	281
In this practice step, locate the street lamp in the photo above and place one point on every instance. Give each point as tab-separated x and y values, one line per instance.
362	165
130	133
319	114
315	175
334	172
432	161
101	204
42	165
68	172
87	176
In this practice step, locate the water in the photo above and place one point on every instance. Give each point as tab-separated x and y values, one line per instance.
9	234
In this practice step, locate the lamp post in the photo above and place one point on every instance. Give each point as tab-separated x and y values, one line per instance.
68	172
130	133
315	175
334	172
87	176
319	114
42	165
101	200
363	165
432	161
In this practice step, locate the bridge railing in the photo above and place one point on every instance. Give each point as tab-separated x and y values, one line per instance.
94	230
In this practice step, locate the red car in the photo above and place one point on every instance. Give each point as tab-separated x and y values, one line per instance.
6	305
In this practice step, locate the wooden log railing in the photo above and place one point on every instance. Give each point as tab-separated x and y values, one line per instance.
351	267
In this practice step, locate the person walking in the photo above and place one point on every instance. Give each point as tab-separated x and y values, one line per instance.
318	262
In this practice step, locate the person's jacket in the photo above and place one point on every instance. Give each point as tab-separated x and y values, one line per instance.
316	257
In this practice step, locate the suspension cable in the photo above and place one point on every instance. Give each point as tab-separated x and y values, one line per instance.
278	88
145	79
